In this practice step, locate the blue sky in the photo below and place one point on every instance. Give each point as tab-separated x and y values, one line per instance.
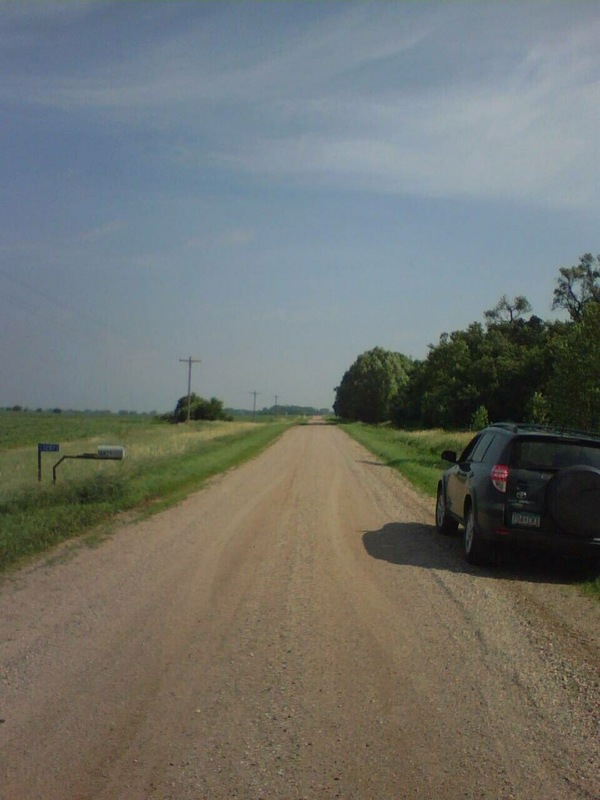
275	187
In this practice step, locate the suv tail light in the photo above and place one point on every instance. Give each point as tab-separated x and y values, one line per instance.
499	476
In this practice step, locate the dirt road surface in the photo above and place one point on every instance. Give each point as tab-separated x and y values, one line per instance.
297	629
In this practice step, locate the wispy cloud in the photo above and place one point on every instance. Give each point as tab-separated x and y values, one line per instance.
235	237
101	231
530	134
332	103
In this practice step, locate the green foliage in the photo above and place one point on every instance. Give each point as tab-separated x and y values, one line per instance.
577	286
500	366
199	409
516	367
371	386
539	412
574	389
507	311
480	418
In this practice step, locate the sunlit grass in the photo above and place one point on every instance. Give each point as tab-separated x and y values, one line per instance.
416	454
18	466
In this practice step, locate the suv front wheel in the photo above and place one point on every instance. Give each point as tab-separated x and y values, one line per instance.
443	521
477	550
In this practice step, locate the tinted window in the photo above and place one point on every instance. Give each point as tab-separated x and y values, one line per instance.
466	453
553	454
481	447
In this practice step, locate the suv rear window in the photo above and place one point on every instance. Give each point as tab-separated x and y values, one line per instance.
553	454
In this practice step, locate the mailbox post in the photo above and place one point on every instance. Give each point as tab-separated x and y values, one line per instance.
45	447
105	452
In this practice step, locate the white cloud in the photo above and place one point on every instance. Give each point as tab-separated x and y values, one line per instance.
512	116
235	237
531	134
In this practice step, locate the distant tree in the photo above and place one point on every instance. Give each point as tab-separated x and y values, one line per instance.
577	286
507	311
57	410
200	409
371	386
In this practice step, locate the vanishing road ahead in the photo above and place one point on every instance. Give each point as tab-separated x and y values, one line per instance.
296	629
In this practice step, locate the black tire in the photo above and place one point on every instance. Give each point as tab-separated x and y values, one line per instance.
477	550
573	501
443	521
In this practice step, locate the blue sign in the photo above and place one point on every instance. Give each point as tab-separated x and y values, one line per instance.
48	448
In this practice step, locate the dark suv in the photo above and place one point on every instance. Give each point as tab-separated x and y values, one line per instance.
523	484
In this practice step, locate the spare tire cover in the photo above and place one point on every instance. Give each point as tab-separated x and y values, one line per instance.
573	501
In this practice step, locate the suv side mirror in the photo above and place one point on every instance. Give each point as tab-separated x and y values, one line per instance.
449	455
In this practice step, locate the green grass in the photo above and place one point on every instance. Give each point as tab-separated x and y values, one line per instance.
416	454
164	463
592	588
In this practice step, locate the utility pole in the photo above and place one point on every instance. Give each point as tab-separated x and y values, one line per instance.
254	406
189	361
276	399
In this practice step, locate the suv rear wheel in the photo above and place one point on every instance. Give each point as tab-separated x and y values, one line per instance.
477	551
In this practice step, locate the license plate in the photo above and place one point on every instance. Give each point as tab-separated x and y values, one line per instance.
525	519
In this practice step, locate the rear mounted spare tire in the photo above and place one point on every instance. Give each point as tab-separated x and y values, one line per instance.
573	501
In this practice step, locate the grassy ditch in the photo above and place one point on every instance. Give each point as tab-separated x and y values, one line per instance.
416	454
164	463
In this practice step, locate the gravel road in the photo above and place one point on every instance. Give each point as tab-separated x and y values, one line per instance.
296	629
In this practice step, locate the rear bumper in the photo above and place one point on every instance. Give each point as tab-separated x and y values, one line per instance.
552	541
493	528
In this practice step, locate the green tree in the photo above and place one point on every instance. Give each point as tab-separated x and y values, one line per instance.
577	286
507	311
574	389
499	367
200	409
370	387
480	418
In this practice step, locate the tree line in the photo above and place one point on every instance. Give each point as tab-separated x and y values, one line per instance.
512	366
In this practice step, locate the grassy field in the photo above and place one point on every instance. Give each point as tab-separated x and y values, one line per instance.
416	454
163	463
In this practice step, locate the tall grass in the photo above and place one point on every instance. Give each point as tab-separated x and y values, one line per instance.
163	464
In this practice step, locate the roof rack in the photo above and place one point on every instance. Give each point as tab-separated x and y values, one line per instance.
515	427
510	426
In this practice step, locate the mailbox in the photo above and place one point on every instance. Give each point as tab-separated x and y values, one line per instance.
112	451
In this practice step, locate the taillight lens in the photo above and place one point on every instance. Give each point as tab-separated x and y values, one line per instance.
499	476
